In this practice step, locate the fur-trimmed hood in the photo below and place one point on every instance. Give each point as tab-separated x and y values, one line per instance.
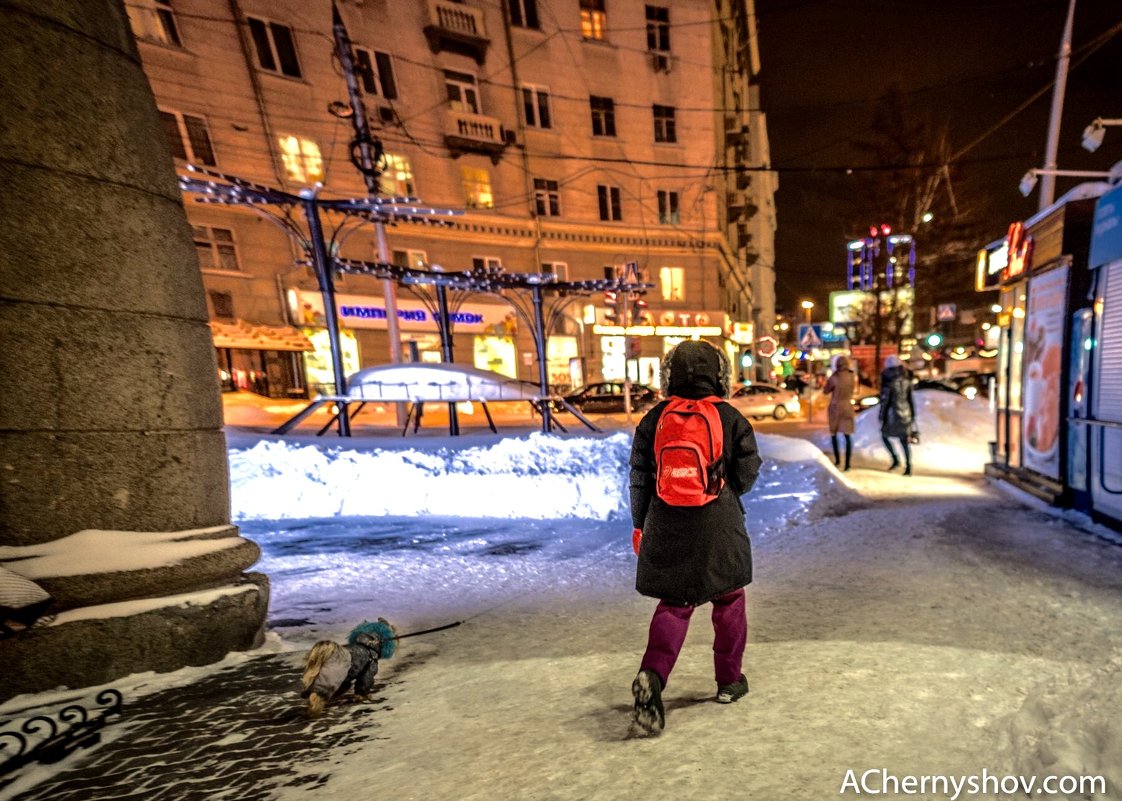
696	369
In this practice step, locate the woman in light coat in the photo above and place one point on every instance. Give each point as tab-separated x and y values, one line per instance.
840	388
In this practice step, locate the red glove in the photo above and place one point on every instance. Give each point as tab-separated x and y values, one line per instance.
636	538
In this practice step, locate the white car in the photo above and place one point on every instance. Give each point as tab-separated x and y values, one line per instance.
765	400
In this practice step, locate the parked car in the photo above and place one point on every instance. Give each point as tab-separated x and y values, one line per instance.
764	400
606	397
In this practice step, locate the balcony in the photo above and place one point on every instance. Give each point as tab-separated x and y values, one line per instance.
474	133
457	28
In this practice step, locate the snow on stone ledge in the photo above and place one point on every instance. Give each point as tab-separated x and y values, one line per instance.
95	551
142	605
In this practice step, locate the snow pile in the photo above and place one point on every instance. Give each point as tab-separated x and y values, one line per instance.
533	477
1070	726
954	432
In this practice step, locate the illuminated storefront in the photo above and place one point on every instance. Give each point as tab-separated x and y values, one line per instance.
1040	270
262	359
653	339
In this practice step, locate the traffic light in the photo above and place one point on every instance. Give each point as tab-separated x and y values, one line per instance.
933	340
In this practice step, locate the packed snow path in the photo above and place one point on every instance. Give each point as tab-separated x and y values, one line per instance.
904	635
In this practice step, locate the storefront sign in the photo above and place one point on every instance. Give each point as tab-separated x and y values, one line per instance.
1019	245
658	331
741	333
1042	366
991	264
366	311
1106	237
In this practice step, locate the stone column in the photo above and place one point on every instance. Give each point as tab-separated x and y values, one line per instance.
110	414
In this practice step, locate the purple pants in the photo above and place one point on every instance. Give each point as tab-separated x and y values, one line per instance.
730	634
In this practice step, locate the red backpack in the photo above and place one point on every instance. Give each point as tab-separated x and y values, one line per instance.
688	445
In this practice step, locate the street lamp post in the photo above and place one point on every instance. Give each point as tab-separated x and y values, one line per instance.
1093	134
808	307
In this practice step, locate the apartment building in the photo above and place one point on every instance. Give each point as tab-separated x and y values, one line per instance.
575	135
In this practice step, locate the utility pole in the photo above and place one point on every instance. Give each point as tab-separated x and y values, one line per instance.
366	153
1048	184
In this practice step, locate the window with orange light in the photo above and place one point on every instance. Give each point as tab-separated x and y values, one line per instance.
302	160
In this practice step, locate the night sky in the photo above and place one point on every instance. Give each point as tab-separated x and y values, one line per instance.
828	63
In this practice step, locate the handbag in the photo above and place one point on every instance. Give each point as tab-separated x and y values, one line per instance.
913	434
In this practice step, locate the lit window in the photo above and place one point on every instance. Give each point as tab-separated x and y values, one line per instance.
416	259
668	208
188	137
547	198
153	20
463	93
524	13
673	282
664	127
275	46
397	177
486	263
593	19
302	159
535	104
609	198
558	268
477	188
658	29
375	73
215	248
603	116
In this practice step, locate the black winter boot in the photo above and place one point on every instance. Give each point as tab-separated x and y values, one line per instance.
837	455
648	713
727	693
848	450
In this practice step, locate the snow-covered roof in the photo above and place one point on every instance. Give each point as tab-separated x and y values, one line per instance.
437	382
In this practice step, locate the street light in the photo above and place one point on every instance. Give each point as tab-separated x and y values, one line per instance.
807	306
1028	182
1093	134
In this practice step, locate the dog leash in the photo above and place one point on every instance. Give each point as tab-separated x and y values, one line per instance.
428	631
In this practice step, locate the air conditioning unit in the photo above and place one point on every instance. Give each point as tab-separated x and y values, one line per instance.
386	115
661	62
510	137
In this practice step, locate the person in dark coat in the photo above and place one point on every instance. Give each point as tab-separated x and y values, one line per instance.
692	555
897	410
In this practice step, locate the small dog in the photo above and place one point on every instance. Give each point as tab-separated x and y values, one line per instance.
331	669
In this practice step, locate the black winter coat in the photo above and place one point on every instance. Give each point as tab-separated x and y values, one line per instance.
693	554
897	405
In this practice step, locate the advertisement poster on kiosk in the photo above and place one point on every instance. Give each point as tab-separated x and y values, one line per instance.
1042	367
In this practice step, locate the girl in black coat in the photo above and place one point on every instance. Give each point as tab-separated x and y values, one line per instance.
897	411
692	555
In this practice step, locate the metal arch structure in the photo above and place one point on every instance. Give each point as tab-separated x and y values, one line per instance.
282	208
540	315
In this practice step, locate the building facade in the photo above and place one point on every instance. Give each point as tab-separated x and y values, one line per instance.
576	135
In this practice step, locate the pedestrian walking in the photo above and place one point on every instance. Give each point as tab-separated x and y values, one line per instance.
897	411
693	457
840	386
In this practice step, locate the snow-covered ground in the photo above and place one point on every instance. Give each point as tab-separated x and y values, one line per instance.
927	625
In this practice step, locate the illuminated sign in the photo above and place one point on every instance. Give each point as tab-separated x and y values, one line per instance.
366	311
659	330
1019	246
767	347
742	333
